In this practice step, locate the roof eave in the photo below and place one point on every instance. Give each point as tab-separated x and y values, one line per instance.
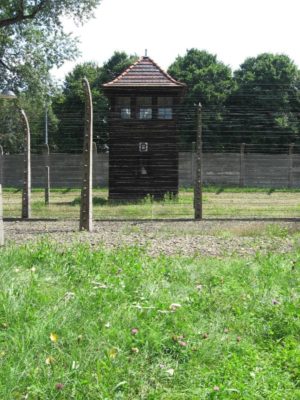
142	86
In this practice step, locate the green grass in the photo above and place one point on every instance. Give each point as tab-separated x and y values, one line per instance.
218	202
234	336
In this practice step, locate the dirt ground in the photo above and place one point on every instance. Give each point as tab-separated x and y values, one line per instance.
215	238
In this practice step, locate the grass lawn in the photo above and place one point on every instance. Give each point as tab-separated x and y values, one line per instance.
77	323
217	202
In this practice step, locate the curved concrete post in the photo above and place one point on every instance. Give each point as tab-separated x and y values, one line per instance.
198	180
26	194
86	204
46	154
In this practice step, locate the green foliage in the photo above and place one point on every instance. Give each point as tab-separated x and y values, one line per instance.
11	137
266	101
32	40
77	323
69	107
210	83
11	129
259	105
115	66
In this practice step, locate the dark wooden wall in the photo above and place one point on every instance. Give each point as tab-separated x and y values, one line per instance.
126	161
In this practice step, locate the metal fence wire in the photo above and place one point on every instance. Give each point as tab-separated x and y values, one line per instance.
171	162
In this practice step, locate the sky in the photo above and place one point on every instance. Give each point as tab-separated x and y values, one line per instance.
231	29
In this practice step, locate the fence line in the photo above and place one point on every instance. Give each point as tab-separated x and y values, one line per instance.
238	169
151	154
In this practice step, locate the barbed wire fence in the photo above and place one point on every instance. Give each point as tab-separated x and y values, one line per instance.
214	148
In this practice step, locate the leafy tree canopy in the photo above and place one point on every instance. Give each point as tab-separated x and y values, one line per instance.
209	80
69	106
267	69
32	40
266	100
273	81
96	75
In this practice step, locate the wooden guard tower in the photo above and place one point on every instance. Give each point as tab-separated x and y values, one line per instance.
143	150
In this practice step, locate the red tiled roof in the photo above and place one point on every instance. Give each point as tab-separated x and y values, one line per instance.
144	72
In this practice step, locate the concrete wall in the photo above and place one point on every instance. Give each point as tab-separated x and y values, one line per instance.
65	170
261	170
258	170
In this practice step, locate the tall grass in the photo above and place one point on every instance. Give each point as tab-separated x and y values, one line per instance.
81	323
218	202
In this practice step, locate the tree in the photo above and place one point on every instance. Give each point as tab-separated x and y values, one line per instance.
32	40
11	138
69	107
264	109
11	129
18	11
209	82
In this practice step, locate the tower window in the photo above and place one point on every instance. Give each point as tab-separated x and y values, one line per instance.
123	107
145	113
165	113
164	105
144	107
125	113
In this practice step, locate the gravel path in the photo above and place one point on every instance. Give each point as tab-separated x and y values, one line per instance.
216	238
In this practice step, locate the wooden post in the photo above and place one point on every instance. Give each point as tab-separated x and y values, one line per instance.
1	165
198	180
47	173
86	204
290	170
1	219
242	165
26	194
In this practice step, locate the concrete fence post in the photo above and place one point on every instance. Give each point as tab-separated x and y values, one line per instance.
26	194
1	219
198	180
95	164
193	158
86	204
290	166
46	154
242	165
1	165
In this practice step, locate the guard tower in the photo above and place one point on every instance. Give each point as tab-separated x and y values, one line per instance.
143	149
